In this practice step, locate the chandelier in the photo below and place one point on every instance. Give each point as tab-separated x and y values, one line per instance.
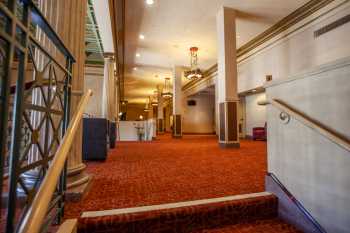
154	101
195	72
166	93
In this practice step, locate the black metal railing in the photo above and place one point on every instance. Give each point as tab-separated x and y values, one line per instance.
35	80
301	208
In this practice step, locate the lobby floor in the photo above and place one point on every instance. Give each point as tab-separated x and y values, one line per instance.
172	170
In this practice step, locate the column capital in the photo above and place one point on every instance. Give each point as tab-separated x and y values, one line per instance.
109	55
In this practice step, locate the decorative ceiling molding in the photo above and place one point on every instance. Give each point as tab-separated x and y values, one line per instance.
287	22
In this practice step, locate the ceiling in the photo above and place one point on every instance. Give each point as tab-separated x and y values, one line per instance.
171	27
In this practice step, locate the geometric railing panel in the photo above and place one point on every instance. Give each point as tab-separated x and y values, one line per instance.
35	91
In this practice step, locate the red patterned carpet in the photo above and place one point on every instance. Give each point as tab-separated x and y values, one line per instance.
172	170
273	225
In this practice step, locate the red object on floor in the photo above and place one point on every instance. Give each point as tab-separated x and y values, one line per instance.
172	170
260	133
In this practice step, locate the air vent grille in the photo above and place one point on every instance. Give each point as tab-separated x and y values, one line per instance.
332	26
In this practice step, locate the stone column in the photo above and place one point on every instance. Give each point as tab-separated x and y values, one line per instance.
227	78
72	31
150	109
109	93
160	116
177	102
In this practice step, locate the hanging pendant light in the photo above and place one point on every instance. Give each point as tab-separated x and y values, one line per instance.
147	107
195	72
155	99
166	90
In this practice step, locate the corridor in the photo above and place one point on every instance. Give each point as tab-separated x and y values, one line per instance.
172	170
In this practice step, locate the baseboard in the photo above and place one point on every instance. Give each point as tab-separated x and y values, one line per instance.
290	209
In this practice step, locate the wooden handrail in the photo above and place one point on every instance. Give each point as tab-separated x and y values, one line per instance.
311	123
35	215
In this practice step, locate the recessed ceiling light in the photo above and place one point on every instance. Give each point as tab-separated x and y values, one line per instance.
149	2
135	68
138	55
142	37
253	90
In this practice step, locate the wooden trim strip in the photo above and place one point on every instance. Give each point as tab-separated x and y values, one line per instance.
133	210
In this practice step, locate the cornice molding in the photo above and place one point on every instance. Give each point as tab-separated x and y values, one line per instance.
296	16
284	24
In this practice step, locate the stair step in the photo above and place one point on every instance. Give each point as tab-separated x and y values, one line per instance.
273	225
184	216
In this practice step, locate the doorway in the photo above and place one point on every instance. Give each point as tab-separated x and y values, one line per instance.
242	117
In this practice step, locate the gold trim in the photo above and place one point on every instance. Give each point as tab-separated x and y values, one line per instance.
295	17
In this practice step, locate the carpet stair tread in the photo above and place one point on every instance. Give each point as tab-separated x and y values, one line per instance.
185	218
273	225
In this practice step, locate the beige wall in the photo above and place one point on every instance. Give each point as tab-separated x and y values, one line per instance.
199	118
292	52
255	114
287	55
94	81
312	167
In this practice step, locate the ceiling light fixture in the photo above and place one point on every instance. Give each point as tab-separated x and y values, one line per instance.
150	2
154	101
166	93
147	108
195	72
138	55
135	68
142	37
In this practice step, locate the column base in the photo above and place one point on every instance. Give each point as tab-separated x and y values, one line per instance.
227	145
228	125
177	126
78	183
160	126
